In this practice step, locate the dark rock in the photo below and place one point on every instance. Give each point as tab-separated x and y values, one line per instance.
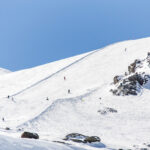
76	137
107	110
92	139
79	138
30	135
116	79
132	67
112	110
148	145
136	78
7	128
130	85
19	129
102	112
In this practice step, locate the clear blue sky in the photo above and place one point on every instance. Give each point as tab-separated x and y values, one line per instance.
35	32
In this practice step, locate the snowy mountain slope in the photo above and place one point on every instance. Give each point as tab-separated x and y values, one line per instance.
4	71
17	81
8	143
90	108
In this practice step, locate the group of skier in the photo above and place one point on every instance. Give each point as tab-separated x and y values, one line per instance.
46	98
68	89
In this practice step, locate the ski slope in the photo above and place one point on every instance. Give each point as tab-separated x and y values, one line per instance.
89	78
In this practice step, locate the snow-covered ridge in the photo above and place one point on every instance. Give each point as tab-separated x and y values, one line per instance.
73	96
4	71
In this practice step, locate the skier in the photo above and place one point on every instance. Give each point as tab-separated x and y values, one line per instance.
64	78
3	119
8	96
68	91
12	99
47	98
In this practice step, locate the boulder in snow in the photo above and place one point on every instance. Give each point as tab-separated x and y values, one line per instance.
79	138
107	110
30	135
7	128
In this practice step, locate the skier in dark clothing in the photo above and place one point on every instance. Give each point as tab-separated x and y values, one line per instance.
8	96
3	119
64	78
68	91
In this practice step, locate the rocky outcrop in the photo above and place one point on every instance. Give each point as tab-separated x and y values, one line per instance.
30	135
133	66
107	110
117	79
79	138
130	85
7	128
132	82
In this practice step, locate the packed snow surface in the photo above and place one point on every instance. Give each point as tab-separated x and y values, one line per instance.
73	96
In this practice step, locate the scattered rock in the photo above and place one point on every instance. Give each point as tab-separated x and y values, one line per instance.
148	54
148	145
79	138
136	78
7	128
130	85
133	66
112	110
19	129
92	139
102	112
107	110
117	79
30	135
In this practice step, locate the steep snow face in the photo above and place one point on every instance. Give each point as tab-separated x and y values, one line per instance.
73	95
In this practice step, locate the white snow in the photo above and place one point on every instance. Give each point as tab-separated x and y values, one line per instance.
4	71
89	77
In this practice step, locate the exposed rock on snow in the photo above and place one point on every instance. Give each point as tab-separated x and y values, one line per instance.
117	79
7	128
107	110
79	138
132	83
133	66
30	135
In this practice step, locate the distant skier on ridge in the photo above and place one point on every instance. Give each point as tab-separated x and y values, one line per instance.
69	91
64	78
